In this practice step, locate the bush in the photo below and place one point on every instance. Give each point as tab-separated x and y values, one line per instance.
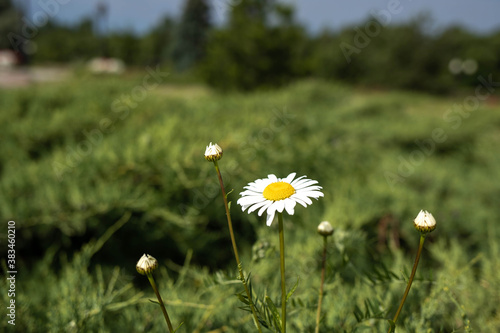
251	52
148	173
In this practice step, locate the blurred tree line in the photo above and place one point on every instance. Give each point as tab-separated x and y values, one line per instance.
262	45
8	22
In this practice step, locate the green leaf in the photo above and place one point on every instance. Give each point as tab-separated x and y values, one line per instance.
371	311
178	327
275	313
290	293
301	303
393	325
358	314
243	298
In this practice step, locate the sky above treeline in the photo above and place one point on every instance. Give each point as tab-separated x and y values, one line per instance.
482	16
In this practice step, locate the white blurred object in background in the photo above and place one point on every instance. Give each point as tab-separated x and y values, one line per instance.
8	59
457	66
106	65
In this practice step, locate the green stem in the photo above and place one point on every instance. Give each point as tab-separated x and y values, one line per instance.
165	314
323	262
235	249
282	269
412	275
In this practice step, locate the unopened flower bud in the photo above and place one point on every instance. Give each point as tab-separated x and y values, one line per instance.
213	152
424	222
325	228
146	264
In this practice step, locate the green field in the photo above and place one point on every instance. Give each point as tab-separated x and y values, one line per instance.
78	159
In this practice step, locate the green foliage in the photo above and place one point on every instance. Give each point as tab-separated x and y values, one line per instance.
190	40
147	169
155	45
51	37
8	23
81	44
403	56
260	47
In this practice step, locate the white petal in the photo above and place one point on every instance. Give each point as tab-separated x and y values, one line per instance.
279	205
267	205
243	204
272	208
310	188
253	187
273	178
257	206
269	219
250	192
304	184
260	186
290	205
289	178
299	200
299	180
302	197
270	214
250	200
311	194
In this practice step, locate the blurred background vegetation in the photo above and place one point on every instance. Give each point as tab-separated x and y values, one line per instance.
98	169
262	45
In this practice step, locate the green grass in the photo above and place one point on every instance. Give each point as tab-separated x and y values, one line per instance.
65	189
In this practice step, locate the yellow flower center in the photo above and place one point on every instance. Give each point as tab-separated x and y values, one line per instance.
278	191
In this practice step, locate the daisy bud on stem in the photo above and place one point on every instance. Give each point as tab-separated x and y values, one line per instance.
145	266
325	229
424	223
213	153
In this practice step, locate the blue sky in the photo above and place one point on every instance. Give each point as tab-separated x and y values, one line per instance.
139	16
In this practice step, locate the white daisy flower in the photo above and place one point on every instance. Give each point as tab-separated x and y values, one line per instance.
424	222
273	195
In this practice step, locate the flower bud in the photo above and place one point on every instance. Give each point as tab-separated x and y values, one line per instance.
424	222
146	264
213	152
325	228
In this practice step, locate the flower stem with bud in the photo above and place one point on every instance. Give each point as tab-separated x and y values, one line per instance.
145	266
410	280
163	309
424	223
214	153
324	229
